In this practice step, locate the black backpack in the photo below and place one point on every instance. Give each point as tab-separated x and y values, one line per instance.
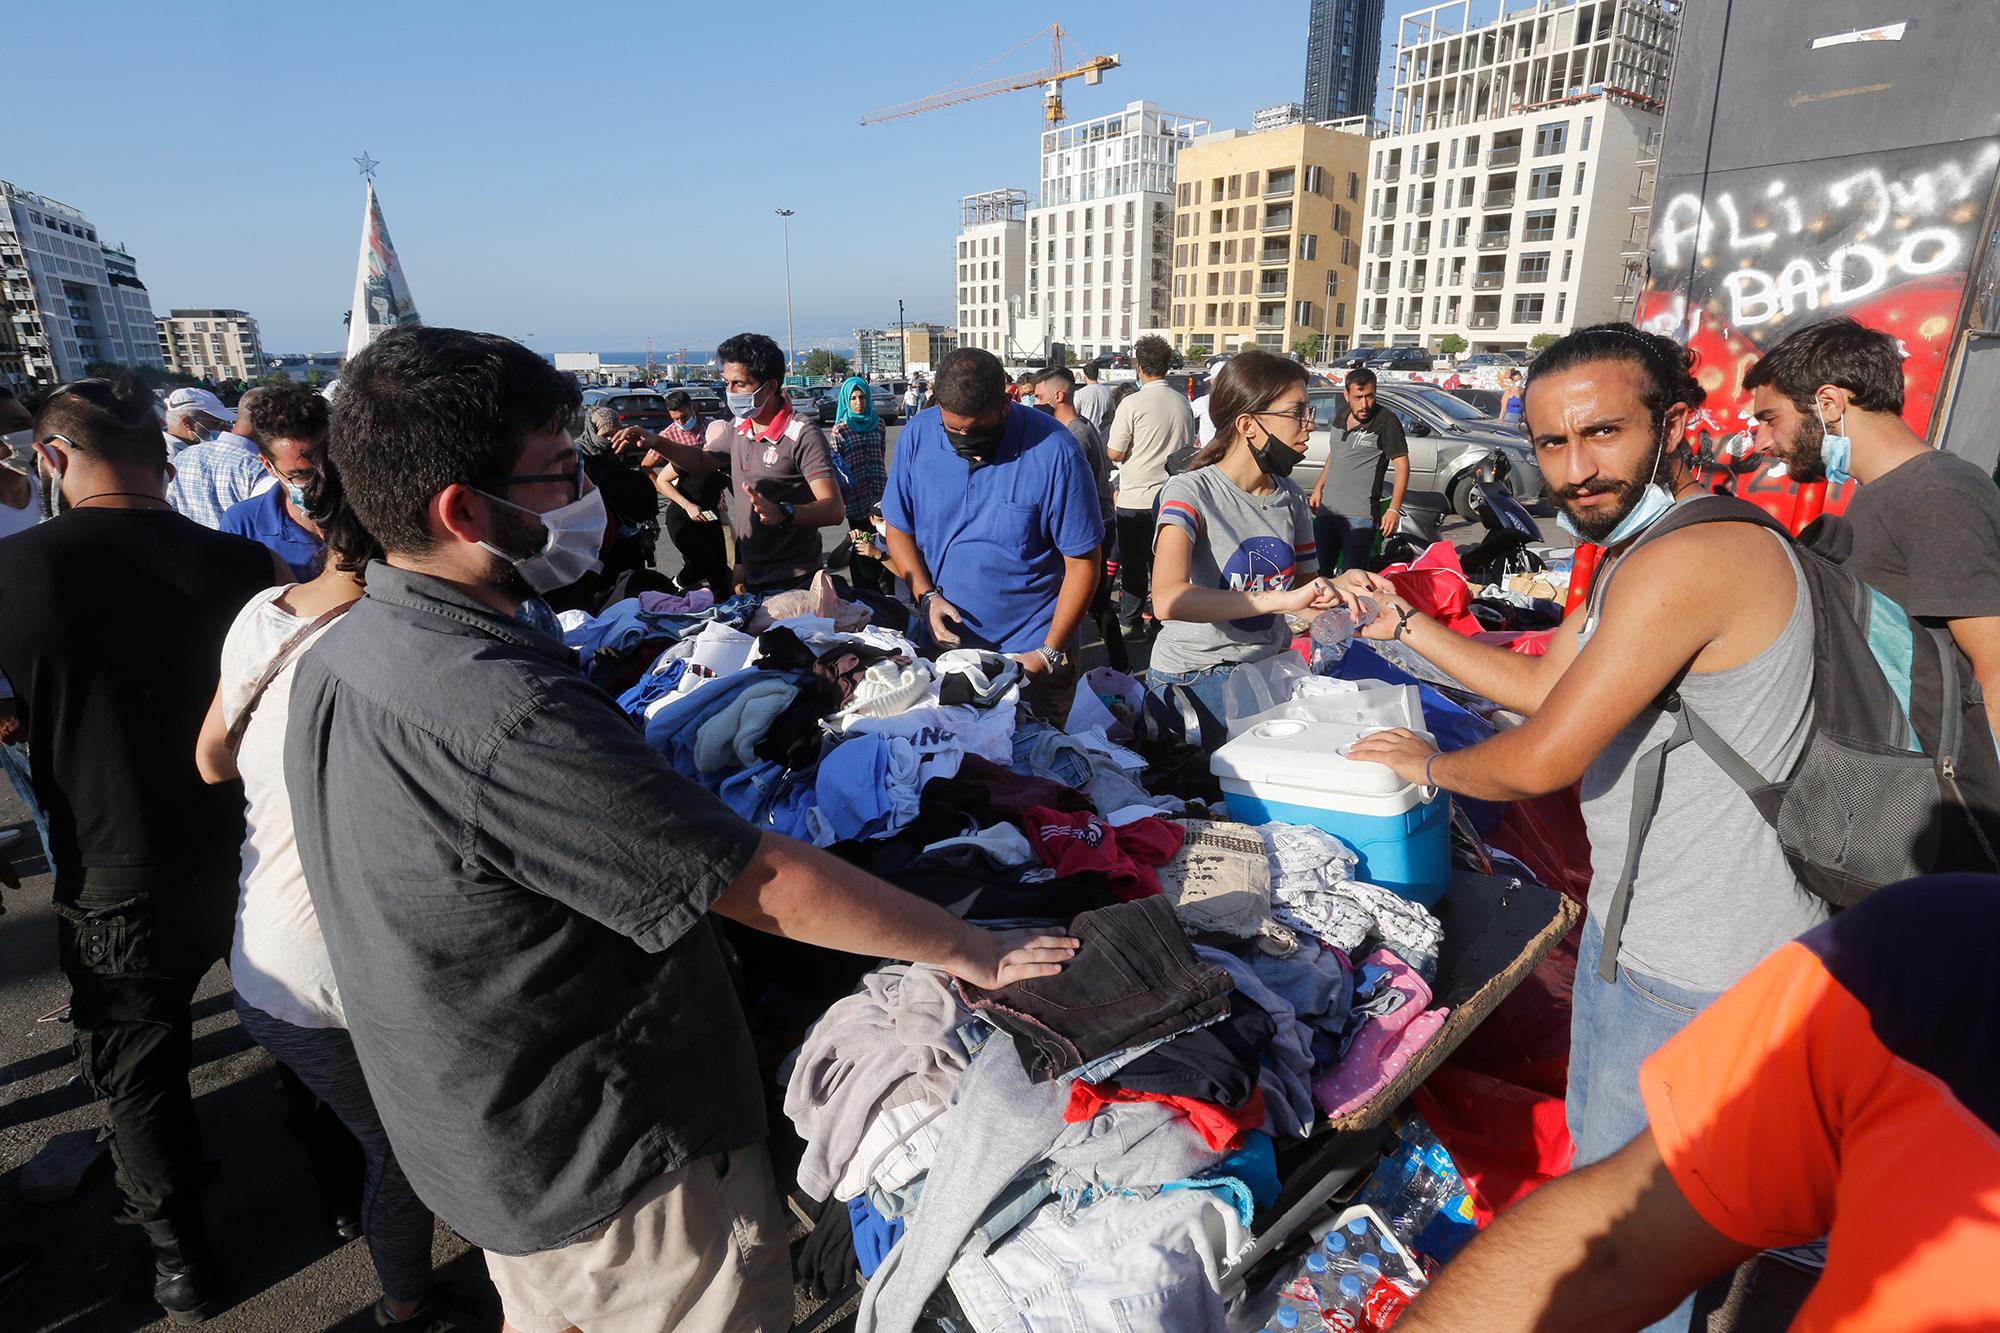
1899	775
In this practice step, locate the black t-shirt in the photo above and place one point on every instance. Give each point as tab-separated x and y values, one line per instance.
111	629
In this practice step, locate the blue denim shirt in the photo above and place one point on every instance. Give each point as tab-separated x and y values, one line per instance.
514	888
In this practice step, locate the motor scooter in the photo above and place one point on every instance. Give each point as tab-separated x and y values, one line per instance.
1506	547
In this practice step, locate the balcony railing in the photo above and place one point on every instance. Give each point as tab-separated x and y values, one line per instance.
1536	193
1376	319
1417	283
1380	284
1281	255
1483	319
1532	275
1504	157
1527	315
1266	324
1492	240
1539	234
1422	246
1427	168
1271	289
1284	190
1488	282
1279	222
1423	207
1498	199
1389	212
1392	174
1413	319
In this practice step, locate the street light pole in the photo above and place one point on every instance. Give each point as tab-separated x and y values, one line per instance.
902	340
791	354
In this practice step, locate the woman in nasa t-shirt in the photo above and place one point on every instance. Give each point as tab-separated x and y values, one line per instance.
1233	551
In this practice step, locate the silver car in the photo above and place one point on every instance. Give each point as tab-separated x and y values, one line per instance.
1446	436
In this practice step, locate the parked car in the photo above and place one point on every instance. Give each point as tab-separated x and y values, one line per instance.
804	401
1447	438
1495	361
1354	356
634	407
1488	401
1400	358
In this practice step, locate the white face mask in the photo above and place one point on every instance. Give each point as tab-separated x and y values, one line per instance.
53	465
574	547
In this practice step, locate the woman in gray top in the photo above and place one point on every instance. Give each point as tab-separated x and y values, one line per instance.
1233	552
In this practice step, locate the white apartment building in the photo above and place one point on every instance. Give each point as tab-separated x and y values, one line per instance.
211	344
1100	243
1499	201
70	299
992	268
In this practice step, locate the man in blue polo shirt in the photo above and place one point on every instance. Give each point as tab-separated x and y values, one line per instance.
291	432
992	514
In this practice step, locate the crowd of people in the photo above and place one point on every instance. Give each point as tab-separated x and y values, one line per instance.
476	915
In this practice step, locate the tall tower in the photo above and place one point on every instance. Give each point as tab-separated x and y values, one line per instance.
1343	55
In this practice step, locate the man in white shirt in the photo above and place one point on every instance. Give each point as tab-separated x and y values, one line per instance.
1095	401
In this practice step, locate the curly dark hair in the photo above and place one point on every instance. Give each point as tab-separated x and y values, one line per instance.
1668	369
1153	354
755	352
426	407
349	545
288	412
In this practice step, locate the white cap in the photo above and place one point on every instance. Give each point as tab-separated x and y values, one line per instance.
200	400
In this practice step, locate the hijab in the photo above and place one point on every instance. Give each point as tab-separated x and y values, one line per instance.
844	413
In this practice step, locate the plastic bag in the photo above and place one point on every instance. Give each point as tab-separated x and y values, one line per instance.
1089	709
1258	687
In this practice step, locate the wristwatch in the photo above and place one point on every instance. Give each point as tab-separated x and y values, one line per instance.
1056	658
791	510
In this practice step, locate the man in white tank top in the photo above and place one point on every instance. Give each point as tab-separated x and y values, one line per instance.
1723	610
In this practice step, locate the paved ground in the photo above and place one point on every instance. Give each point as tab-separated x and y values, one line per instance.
287	1273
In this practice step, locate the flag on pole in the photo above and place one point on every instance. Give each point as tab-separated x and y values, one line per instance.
381	295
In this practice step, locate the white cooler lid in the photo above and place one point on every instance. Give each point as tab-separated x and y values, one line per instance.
1305	755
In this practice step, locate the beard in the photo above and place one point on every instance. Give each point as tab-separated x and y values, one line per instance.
1598	522
1806	460
514	531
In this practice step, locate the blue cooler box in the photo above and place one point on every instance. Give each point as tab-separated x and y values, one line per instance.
1290	770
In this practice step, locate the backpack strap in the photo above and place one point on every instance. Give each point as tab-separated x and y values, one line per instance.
1687	514
1645	802
279	661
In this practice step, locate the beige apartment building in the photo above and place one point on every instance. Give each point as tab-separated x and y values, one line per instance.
1266	238
211	344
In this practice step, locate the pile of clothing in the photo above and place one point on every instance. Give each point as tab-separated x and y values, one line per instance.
1103	1139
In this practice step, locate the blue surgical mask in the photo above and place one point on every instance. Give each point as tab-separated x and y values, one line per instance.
297	495
743	406
1835	450
1652	505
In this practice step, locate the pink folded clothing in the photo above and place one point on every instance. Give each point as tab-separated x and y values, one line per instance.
1395	1025
677	604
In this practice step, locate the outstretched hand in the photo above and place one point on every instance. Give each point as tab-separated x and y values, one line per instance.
1008	956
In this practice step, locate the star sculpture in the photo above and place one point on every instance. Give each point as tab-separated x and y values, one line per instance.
367	165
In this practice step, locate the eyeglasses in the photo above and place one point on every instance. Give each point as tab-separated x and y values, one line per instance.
573	479
1302	415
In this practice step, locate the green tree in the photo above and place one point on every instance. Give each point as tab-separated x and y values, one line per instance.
832	365
1307	348
1451	344
1542	341
314	378
1196	352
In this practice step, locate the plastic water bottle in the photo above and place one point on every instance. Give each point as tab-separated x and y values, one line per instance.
1297	1317
1344	1308
1423	1194
1333	629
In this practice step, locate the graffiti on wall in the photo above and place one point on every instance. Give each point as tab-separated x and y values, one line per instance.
1887	238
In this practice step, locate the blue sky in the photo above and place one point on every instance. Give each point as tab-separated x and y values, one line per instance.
578	176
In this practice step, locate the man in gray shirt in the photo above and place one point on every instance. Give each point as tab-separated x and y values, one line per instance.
1055	392
1924	525
1150	427
1365	441
1094	401
515	887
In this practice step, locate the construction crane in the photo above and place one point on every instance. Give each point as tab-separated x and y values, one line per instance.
1051	80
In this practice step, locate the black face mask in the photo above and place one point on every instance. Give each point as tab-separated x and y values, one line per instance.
1277	458
977	446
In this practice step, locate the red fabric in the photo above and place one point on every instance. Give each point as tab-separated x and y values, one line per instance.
1069	842
1526	642
1220	1127
1435	584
